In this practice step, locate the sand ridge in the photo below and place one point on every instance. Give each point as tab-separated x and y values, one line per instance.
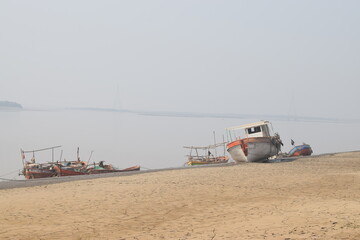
310	198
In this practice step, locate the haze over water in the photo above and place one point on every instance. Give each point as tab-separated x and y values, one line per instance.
126	139
256	58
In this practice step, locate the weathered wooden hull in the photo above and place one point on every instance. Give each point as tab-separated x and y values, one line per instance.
301	150
64	171
99	171
192	163
38	173
218	160
257	149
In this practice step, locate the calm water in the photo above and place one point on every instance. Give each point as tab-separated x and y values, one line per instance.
127	139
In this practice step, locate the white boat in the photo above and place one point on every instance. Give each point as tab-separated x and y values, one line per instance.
257	145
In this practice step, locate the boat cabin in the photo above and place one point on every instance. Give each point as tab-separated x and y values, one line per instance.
257	129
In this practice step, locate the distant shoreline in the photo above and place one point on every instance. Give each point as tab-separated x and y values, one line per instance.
272	117
10	105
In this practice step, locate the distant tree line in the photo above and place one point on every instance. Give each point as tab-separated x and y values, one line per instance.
10	104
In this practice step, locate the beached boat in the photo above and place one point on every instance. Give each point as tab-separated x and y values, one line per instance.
300	150
103	168
217	160
32	169
258	144
38	170
60	168
70	168
207	157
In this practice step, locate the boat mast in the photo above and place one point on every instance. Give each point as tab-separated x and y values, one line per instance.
61	155
22	156
224	144
90	157
215	144
197	154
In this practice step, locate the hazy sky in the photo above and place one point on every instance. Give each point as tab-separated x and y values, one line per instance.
262	57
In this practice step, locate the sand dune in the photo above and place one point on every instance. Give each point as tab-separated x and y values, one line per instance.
310	198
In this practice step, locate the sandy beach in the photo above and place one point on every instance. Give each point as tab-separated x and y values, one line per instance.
309	198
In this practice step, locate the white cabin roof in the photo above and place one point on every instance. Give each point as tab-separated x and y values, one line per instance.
250	125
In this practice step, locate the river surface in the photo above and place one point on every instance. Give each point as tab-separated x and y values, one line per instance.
153	142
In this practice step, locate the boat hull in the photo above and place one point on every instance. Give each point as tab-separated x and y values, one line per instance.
301	150
257	149
39	173
99	171
217	160
64	171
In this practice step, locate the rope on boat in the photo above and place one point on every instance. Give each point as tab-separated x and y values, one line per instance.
146	168
17	180
17	170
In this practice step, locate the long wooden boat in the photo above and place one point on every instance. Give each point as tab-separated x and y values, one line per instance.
258	144
101	168
301	150
32	170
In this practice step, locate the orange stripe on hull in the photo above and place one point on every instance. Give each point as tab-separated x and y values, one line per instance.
233	144
244	143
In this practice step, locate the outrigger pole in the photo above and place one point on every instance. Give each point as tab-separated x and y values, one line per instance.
39	150
90	157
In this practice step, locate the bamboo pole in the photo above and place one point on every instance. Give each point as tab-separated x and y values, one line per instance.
22	156
215	144
61	155
224	144
90	157
38	150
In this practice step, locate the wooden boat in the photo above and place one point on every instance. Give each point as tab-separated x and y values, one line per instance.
217	160
102	168
207	157
300	150
32	170
38	170
258	144
70	170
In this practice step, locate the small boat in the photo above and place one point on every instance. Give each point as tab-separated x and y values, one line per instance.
217	160
102	168
258	144
300	150
70	168
32	169
207	157
38	170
